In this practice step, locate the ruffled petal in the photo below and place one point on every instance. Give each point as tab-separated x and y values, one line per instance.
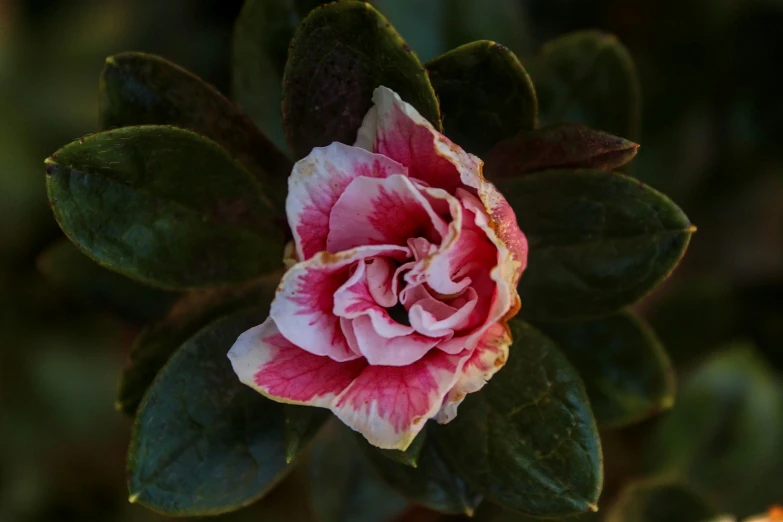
304	304
489	356
389	351
504	222
397	130
270	364
390	405
318	181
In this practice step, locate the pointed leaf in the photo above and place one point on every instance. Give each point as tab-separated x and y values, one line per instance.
139	89
433	483
485	95
339	55
66	267
660	501
203	443
301	425
598	241
627	373
158	342
409	457
528	441
165	206
563	145
588	77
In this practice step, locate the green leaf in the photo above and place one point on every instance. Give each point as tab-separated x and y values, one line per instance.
724	434
485	95
301	425
343	485
203	443
410	456
489	512
165	206
139	89
660	501
63	264
627	373
588	77
339	55
598	241
158	342
564	145
432	483
528	440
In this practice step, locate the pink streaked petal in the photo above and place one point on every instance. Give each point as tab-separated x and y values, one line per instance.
270	364
379	280
504	222
354	299
381	212
389	351
390	405
428	315
489	356
318	181
395	129
303	306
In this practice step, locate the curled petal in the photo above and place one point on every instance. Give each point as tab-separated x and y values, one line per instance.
318	181
388	351
504	222
303	307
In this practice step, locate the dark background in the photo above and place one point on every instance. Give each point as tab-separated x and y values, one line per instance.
712	121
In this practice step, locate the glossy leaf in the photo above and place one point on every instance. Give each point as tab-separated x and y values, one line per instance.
485	95
301	425
140	89
433	483
627	373
203	443
723	436
165	206
528	441
588	77
343	485
563	145
410	456
339	55
158	342
598	241
660	501
88	282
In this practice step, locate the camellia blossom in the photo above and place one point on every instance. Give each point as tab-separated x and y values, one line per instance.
403	273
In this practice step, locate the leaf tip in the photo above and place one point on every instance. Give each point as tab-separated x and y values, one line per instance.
111	61
593	508
134	497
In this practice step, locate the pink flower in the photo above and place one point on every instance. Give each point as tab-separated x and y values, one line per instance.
402	276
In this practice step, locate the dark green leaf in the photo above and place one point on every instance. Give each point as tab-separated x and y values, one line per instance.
626	371
588	77
432	483
340	54
140	89
165	206
660	501
410	456
503	21
489	512
156	343
65	266
528	441
485	95
203	443
724	434
598	241
343	485
564	145
301	425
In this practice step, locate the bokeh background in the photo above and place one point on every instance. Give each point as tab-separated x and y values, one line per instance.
711	128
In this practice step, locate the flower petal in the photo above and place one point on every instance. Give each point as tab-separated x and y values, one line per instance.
386	211
504	222
303	307
270	364
390	405
318	181
380	350
396	129
489	356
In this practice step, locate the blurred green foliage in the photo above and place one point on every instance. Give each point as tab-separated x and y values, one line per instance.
710	133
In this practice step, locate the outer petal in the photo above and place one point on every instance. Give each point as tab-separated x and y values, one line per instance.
318	181
303	307
395	129
504	222
489	356
390	405
270	364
